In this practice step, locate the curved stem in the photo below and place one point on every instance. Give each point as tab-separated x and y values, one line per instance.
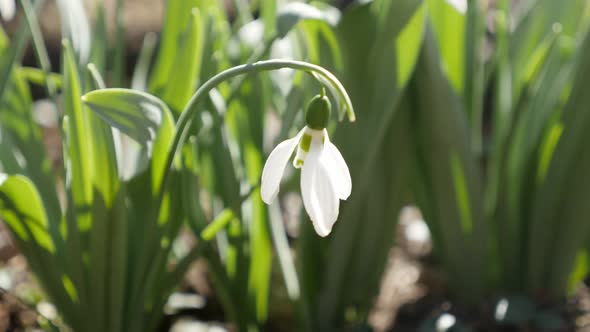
183	124
258	53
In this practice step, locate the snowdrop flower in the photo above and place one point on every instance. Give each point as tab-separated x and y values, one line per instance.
325	179
7	9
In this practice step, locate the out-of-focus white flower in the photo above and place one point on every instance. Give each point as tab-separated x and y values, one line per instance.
252	33
76	26
460	5
325	178
7	9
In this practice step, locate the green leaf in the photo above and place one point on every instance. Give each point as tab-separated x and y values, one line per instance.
79	153
322	44
24	212
462	194
409	42
22	209
452	204
70	288
268	12
140	73
580	271
118	54
556	231
159	252
284	254
106	177
449	28
187	64
219	223
136	114
4	41
139	115
38	44
118	268
79	162
261	258
191	186
10	56
547	150
107	217
385	11
178	16
99	46
535	27
23	138
8	154
37	76
516	159
538	57
474	87
217	33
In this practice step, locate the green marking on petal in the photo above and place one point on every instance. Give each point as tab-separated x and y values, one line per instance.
305	142
299	162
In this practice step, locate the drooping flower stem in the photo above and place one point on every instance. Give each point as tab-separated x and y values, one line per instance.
183	124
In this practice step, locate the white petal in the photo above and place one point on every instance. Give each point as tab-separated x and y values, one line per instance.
308	175
327	196
319	197
337	169
7	9
460	5
275	167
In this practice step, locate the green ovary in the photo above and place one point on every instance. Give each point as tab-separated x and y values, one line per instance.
318	112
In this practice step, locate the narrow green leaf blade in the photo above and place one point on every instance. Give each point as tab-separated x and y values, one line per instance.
409	42
449	26
79	152
178	13
187	64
